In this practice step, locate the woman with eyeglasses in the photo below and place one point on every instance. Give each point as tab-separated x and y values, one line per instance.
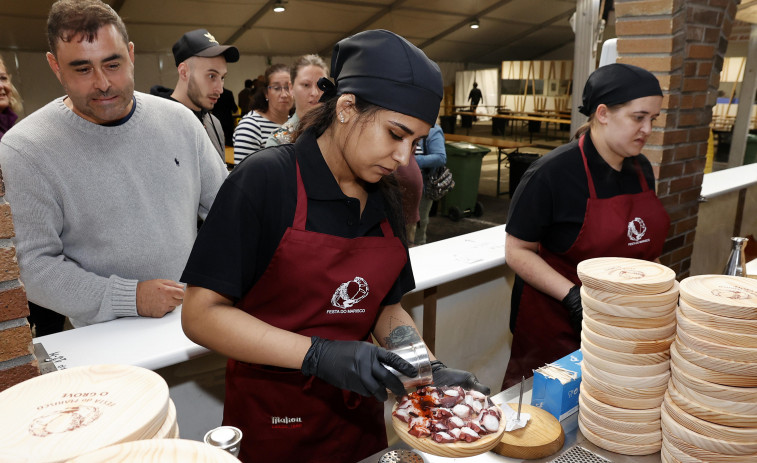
270	109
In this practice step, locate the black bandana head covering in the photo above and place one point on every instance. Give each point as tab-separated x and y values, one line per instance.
385	69
615	84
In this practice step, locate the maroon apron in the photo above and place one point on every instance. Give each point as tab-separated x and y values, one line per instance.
324	285
629	225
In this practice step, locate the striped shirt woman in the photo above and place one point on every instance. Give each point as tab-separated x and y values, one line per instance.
251	134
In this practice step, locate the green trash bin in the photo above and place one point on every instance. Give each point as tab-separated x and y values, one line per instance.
464	161
750	155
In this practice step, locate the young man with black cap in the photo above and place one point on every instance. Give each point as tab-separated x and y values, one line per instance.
593	197
293	291
201	62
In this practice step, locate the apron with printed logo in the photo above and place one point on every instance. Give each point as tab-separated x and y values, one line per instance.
629	225
324	285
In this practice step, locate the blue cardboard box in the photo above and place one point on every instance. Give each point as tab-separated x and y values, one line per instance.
558	397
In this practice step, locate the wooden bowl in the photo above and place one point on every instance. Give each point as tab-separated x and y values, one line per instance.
623	369
636	404
711	333
629	334
626	311
616	425
625	276
706	374
718	446
728	406
713	416
734	325
649	438
640	416
714	363
630	322
454	449
630	347
714	349
624	357
624	449
626	381
636	300
705	428
696	454
723	295
622	392
718	391
158	451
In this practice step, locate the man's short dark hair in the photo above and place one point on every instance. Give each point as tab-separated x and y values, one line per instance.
69	18
248	83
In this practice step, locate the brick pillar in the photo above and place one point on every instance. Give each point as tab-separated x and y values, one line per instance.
683	43
17	361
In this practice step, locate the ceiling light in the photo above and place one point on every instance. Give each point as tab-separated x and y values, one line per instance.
474	24
278	7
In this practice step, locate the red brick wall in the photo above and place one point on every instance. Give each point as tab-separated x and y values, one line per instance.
17	361
683	43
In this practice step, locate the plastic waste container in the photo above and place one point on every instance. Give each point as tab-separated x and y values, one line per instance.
464	161
518	164
750	154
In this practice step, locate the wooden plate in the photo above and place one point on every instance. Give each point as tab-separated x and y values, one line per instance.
452	450
714	416
711	333
716	431
713	349
624	449
670	454
626	381
636	404
714	363
636	300
66	413
623	345
623	369
723	295
543	436
695	453
624	357
629	322
707	374
630	334
728	406
158	451
170	427
718	446
718	391
625	276
735	325
622	392
616	425
619	413
626	311
649	438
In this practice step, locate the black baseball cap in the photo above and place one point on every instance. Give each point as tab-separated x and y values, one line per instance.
200	42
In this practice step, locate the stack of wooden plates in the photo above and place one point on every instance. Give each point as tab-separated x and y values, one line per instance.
710	409
61	415
158	451
629	324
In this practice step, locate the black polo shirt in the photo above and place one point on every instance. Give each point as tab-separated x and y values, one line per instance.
549	204
256	205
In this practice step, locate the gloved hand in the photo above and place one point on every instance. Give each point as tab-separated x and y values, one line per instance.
444	376
572	302
356	366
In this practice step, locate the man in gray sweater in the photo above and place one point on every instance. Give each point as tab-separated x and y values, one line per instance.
105	184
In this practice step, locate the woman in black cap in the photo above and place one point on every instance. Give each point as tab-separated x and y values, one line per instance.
302	259
593	197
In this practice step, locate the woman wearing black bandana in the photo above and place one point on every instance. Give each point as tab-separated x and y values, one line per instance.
302	259
593	197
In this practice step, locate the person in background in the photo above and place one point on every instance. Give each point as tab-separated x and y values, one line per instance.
10	100
475	96
430	155
301	261
224	110
306	71
270	109
244	96
201	63
105	183
579	202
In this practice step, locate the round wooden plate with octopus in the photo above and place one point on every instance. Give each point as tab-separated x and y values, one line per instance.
448	421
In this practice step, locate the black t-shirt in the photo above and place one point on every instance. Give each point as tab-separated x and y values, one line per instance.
550	202
256	205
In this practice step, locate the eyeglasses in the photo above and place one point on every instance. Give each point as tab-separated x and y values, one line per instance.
278	89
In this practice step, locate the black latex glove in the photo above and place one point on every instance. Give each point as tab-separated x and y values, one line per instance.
444	376
572	302
356	366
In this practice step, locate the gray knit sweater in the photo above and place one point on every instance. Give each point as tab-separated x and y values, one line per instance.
97	209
